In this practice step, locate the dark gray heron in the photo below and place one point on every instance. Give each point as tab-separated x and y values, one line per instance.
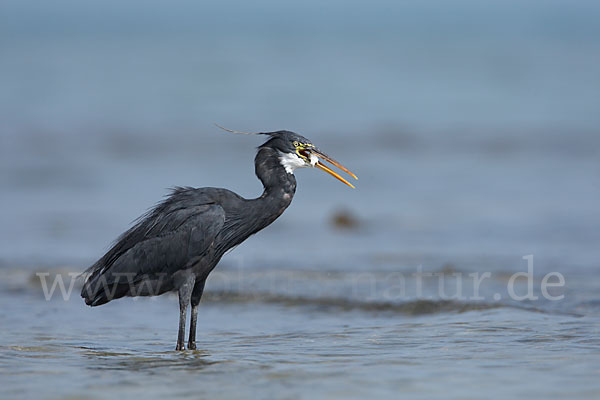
176	245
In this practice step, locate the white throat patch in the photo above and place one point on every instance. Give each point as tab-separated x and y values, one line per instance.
291	161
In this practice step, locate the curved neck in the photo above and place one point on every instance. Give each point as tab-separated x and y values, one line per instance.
271	173
256	214
279	185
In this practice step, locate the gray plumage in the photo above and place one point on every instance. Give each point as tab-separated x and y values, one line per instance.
178	243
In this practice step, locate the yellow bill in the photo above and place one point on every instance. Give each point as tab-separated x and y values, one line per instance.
331	172
337	164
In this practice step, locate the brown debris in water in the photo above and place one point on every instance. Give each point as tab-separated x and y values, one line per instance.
344	219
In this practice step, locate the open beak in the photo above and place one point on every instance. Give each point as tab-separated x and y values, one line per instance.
331	172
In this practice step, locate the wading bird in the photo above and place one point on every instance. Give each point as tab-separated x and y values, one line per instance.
178	243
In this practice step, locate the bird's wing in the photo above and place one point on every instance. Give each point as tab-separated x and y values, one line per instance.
184	238
172	236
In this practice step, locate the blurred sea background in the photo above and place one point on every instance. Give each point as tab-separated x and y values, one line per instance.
472	125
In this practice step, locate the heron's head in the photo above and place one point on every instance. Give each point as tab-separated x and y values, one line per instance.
296	151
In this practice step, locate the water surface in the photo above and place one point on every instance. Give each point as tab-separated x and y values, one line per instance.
473	129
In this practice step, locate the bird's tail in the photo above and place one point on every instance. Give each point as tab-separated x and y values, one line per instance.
100	286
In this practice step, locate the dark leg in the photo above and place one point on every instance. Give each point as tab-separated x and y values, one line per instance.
185	293
196	295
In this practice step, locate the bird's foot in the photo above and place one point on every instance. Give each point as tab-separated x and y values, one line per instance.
180	347
191	345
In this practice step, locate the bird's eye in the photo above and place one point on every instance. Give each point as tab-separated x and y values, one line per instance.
296	143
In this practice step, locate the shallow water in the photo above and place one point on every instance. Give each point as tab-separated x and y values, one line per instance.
473	130
254	341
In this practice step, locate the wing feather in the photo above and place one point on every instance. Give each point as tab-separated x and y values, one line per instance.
170	237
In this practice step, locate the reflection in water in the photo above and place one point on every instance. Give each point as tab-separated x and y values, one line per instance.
144	360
